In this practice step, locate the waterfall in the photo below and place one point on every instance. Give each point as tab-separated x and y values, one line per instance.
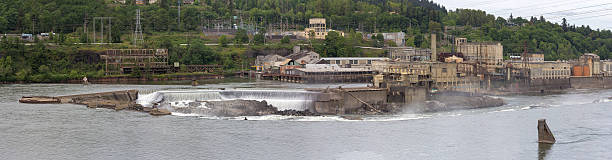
281	99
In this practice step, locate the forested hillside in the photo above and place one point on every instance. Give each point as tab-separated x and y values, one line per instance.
162	28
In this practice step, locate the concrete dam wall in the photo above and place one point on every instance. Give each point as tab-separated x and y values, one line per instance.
591	82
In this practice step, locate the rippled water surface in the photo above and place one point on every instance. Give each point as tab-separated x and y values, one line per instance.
580	119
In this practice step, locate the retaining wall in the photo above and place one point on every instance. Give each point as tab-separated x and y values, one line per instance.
591	82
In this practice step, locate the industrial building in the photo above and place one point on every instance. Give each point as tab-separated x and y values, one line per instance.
539	70
318	28
353	62
145	61
398	37
588	65
326	73
409	53
485	53
126	61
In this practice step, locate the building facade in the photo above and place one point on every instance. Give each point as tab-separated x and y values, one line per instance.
484	53
606	68
354	62
543	70
409	53
318	27
398	37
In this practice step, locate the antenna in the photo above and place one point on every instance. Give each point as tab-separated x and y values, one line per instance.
138	38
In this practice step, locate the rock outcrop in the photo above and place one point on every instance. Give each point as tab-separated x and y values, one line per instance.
457	102
352	117
295	113
230	108
159	112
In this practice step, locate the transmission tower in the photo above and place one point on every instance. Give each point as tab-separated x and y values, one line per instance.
138	38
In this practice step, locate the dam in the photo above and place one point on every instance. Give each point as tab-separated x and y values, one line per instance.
281	99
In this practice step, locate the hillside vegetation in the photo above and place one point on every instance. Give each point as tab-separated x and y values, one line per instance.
162	29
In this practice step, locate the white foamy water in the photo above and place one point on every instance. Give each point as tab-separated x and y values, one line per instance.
281	99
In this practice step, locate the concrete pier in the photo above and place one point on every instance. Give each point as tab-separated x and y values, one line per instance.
117	100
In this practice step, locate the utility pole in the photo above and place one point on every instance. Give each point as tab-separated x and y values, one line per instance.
179	14
85	31
94	30
102	29
109	28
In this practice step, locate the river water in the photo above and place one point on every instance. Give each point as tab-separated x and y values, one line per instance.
580	119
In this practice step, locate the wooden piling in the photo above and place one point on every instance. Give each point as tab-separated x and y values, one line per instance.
544	133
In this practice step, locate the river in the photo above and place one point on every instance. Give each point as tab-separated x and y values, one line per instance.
580	119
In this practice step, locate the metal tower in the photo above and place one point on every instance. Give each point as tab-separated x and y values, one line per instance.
138	38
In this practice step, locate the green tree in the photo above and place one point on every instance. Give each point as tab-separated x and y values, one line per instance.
334	45
241	37
259	39
603	52
223	41
6	68
286	40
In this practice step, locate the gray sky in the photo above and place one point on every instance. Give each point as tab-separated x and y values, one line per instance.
596	13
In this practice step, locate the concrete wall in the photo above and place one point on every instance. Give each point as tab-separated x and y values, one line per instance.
532	85
351	104
340	102
407	95
591	82
123	96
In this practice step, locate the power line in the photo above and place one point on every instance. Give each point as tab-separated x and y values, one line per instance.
582	13
589	17
561	11
534	7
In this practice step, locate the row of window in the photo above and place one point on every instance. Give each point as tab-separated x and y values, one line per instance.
353	62
557	73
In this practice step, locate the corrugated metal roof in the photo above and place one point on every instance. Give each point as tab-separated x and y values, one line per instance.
355	58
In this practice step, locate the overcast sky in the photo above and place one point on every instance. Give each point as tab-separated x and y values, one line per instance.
596	13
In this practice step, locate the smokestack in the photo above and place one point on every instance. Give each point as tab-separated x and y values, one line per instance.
434	54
